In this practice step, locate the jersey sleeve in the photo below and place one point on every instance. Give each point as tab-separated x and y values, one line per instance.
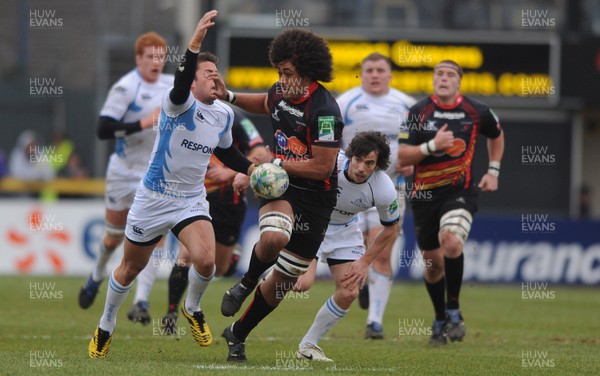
120	96
387	201
173	110
490	124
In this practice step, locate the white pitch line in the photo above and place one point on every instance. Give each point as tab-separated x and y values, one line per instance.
294	369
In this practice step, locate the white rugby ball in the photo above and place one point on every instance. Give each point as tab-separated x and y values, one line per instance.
269	181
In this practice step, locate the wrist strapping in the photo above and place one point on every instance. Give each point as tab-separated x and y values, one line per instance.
428	148
277	162
494	168
231	97
194	46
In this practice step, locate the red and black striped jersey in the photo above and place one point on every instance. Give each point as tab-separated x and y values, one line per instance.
466	118
298	126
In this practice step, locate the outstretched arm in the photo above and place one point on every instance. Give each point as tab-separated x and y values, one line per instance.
186	71
109	128
251	102
357	272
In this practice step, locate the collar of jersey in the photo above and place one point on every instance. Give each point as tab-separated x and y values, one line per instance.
437	102
304	97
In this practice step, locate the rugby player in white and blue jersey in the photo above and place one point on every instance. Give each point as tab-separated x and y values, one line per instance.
362	185
128	116
193	124
375	106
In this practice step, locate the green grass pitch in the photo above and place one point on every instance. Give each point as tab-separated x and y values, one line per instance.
554	331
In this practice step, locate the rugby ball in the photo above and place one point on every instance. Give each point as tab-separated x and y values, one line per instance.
269	181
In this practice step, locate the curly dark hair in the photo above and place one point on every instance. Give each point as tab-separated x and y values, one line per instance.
308	52
365	142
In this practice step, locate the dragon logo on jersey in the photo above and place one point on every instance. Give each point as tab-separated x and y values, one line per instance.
457	149
293	144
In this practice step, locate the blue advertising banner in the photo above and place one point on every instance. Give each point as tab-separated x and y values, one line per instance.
524	248
531	247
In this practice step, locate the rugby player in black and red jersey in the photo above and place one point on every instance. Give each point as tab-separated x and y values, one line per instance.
307	128
439	139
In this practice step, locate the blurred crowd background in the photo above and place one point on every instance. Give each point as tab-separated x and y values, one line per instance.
60	57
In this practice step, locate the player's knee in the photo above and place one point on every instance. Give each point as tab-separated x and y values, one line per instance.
348	295
111	243
131	270
204	266
451	244
275	231
113	236
272	243
203	260
455	226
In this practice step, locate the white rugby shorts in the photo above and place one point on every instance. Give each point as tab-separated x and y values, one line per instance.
342	242
121	184
153	214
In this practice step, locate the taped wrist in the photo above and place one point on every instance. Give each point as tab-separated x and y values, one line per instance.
494	168
428	148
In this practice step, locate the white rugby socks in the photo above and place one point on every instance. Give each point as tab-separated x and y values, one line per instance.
104	254
327	317
115	296
380	286
196	286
